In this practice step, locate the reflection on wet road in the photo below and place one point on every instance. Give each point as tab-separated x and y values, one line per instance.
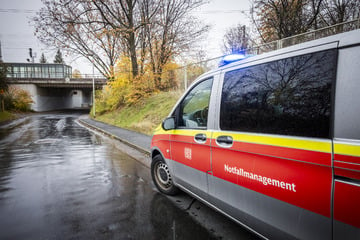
60	181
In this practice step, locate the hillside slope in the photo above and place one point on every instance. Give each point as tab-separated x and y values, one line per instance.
144	116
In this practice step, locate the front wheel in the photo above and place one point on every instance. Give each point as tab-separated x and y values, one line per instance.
161	176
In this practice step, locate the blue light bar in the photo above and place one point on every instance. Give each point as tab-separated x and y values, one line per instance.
231	58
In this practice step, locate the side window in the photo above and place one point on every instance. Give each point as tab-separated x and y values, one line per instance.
347	107
193	110
290	96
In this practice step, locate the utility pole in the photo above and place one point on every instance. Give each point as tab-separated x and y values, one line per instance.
0	53
93	82
1	90
185	77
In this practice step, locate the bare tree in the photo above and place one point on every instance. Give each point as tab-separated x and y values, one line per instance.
338	11
124	17
277	19
171	32
75	27
148	31
236	39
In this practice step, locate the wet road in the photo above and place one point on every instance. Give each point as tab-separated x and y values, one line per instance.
60	181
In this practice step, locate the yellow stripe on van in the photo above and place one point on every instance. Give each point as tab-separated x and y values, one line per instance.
289	142
347	149
160	130
182	132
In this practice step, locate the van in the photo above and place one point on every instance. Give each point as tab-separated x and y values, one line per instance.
272	141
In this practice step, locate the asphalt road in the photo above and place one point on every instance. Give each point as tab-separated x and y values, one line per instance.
59	180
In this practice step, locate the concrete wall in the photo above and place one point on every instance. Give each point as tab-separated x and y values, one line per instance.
87	97
48	99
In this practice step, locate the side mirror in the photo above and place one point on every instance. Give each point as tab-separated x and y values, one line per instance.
168	123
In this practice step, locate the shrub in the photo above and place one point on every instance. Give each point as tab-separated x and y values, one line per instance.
17	99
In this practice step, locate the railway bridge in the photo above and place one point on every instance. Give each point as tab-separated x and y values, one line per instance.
58	93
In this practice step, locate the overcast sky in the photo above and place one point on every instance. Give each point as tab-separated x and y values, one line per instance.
17	34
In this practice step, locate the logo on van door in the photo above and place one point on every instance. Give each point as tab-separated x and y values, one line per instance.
187	153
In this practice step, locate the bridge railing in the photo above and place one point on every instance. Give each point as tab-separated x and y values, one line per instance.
26	74
89	76
57	81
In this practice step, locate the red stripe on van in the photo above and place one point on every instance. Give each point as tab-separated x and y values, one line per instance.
347	158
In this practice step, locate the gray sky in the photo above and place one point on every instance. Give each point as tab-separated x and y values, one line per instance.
17	35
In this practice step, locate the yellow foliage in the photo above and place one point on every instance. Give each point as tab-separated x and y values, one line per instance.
114	93
17	99
122	72
125	90
169	76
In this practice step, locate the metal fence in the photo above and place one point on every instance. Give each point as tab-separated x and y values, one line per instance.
304	37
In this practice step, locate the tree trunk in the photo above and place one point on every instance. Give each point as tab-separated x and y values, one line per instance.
133	57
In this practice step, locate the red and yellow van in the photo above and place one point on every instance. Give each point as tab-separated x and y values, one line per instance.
272	141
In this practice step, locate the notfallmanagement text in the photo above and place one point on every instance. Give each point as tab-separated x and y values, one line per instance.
264	180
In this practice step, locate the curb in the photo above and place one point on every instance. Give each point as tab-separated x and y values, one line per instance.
137	147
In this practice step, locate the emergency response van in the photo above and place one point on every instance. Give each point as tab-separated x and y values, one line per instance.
272	141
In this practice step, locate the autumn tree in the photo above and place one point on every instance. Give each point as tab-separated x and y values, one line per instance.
236	40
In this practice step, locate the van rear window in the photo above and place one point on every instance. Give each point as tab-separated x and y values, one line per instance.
290	96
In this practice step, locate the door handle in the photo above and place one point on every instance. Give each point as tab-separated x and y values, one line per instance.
224	141
200	138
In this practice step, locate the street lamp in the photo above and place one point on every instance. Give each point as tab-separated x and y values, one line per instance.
89	56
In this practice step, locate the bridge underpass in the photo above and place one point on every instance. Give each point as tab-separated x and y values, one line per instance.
58	94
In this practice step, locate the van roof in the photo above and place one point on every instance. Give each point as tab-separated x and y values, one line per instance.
342	39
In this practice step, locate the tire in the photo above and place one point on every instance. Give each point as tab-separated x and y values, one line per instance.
161	176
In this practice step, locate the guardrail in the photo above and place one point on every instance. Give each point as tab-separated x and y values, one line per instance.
25	74
59	82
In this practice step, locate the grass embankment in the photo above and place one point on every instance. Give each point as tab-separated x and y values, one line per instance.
144	116
6	116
